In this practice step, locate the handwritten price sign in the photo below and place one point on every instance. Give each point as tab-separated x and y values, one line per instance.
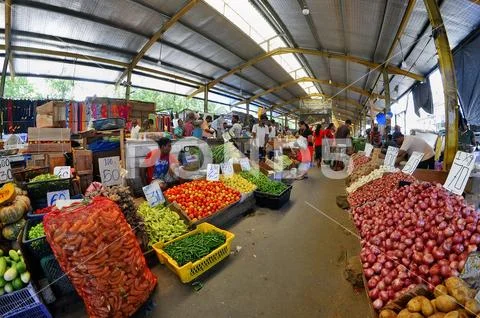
413	162
53	197
153	194
5	170
110	170
213	172
368	149
62	171
460	172
390	157
227	168
245	164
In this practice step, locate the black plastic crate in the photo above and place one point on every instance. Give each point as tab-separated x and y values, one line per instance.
32	215
37	191
271	201
61	285
38	248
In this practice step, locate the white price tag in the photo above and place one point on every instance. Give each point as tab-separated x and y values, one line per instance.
5	170
227	168
368	149
110	170
62	171
153	194
245	164
413	162
52	197
460	172
390	157
213	172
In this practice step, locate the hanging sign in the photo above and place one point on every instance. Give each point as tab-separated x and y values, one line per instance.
413	162
53	196
213	172
460	172
390	157
5	170
227	168
110	170
153	194
245	164
368	149
62	171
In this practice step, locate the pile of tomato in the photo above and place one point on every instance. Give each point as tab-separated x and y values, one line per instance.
200	198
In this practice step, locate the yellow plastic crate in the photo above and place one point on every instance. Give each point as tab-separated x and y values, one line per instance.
190	271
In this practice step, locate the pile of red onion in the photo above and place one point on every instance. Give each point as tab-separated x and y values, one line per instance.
359	160
379	188
421	233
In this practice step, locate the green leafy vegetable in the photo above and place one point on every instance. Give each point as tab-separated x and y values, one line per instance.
263	183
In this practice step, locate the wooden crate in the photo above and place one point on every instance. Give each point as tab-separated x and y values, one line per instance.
37	160
56	160
85	181
49	140
83	161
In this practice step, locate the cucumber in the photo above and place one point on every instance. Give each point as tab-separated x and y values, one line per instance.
25	277
2	282
8	288
14	255
2	291
17	283
3	265
10	274
21	267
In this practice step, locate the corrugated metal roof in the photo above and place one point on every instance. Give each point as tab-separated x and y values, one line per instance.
204	44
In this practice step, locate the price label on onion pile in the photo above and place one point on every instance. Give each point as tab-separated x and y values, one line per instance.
213	172
245	164
52	197
110	170
227	168
413	162
390	157
153	194
62	171
368	149
460	172
5	170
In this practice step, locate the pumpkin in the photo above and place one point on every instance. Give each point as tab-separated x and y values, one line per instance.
10	232
14	212
7	193
19	191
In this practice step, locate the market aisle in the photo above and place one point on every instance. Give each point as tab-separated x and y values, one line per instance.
290	264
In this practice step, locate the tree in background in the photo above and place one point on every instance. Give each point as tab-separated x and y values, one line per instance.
60	89
20	88
174	103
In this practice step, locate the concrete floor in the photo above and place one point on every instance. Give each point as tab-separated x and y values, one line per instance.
290	264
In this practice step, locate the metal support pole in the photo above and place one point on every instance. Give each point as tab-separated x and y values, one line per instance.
286	121
386	88
205	99
445	63
296	123
8	51
129	84
271	114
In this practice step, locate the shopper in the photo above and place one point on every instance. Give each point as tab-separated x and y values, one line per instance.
260	136
466	137
152	127
197	127
272	130
207	130
343	132
375	137
178	131
318	136
146	126
409	144
236	130
160	165
135	131
188	126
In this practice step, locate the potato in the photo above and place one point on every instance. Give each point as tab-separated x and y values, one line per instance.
452	314
404	314
446	303
415	315
472	306
434	305
453	282
427	308
387	313
460	294
415	304
440	290
437	315
462	313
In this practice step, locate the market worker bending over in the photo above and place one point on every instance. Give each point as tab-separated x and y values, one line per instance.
159	165
409	144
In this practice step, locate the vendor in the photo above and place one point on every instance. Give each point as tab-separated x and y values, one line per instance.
207	130
135	131
236	130
260	135
409	144
160	165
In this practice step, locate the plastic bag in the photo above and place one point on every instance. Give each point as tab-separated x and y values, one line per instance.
98	251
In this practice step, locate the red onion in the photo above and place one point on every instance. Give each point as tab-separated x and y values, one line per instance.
372	283
438	254
447	245
452	257
387	280
435	269
384	272
457	238
373	293
471	248
431	244
417	257
442	225
378	304
466	235
423	269
461	264
383	295
475	239
397	284
458	248
368	273
381	285
445	271
428	258
448	232
371	258
454	265
388	265
435	280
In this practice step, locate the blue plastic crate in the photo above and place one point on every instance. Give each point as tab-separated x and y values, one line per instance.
61	285
19	301
32	311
